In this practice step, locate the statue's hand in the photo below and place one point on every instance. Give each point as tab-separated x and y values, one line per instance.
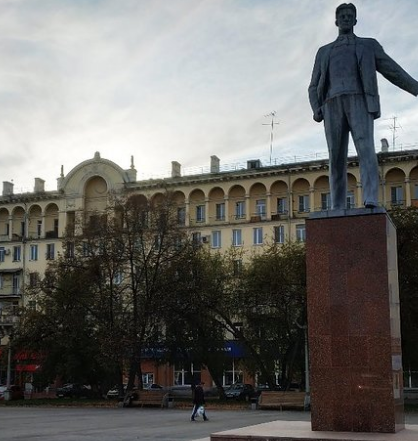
317	116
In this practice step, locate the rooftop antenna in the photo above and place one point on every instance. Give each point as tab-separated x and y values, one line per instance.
394	127
272	124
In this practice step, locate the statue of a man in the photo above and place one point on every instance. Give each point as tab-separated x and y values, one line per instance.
343	93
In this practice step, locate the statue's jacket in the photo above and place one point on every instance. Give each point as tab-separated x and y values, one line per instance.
371	58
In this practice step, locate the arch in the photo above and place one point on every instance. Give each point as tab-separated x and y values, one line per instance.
236	191
395	186
217	208
18	222
75	181
322	200
196	196
301	196
95	194
279	191
258	201
413	183
237	204
4	223
35	221
51	221
197	207
352	196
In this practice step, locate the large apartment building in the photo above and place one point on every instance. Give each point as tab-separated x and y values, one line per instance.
246	207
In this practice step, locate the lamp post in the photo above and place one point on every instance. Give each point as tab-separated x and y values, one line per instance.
307	403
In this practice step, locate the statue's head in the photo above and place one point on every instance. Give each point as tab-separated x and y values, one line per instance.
346	16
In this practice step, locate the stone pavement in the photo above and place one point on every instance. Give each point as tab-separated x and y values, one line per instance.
301	431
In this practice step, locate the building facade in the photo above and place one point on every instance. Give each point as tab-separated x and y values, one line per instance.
246	208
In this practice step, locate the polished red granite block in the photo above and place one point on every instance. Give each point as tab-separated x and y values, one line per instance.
353	323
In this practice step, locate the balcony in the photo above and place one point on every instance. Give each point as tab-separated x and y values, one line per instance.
51	234
8	320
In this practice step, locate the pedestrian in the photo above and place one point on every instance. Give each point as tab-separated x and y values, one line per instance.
198	401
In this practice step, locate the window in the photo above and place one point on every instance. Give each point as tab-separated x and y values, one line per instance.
350	200
16	283
39	228
281	205
300	233
396	195
197	238
200	213
216	239
70	249
325	201
236	238
22	228
279	234
237	267
257	236
1	281
32	305
33	279
17	251
186	374
50	251
416	191
220	211
240	210
303	203
260	208
33	252
86	249
2	254
181	215
118	277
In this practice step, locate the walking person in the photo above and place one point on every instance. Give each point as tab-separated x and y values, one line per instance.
198	400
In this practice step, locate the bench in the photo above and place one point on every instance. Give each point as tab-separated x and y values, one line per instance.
150	398
281	399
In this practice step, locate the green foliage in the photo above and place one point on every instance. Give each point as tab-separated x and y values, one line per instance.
406	222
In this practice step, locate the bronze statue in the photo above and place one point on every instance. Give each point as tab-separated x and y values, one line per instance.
343	93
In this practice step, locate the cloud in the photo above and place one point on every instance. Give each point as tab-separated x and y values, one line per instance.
179	80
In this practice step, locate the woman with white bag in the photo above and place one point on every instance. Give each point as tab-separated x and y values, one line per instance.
199	403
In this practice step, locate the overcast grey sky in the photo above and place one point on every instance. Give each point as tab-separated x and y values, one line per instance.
181	80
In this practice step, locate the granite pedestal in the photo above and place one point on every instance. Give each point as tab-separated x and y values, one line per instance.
354	322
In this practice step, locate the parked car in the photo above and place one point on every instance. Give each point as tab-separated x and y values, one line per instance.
152	386
16	392
74	390
113	393
265	387
240	391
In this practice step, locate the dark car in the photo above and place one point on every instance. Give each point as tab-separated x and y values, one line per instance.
16	392
152	386
240	391
265	387
74	390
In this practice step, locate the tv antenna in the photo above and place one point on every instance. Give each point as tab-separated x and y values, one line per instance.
271	124
394	127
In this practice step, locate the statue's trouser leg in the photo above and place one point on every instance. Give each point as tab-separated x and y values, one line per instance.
361	126
336	133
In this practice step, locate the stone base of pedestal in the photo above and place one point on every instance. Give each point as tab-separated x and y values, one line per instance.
353	323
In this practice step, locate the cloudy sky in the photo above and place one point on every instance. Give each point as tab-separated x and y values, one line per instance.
177	80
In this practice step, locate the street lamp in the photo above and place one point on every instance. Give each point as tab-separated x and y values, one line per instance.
307	402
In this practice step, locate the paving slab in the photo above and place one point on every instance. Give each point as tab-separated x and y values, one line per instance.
301	431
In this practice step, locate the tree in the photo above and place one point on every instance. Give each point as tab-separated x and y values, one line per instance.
274	295
108	288
406	222
261	305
